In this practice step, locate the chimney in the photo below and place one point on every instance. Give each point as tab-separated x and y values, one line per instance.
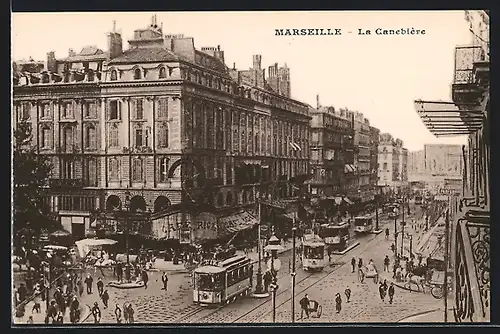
71	53
317	102
234	66
115	43
257	61
51	62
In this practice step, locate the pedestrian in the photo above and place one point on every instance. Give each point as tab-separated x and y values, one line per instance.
387	262
338	303
393	248
360	263
125	312
100	286
381	291
267	280
30	320
386	234
105	298
23	292
118	314
37	300
79	284
145	278
348	294
59	318
96	312
304	306
130	314
391	293
88	282
164	279
51	312
119	271
385	285
353	263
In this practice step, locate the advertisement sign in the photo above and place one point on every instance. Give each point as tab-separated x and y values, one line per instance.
204	226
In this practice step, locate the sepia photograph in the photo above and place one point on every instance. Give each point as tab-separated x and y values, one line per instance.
245	167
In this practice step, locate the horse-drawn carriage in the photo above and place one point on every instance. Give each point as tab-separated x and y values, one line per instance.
314	308
368	271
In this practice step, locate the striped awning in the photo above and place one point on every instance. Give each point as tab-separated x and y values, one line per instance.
236	222
348	168
446	119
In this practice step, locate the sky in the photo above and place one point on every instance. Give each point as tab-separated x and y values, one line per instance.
377	75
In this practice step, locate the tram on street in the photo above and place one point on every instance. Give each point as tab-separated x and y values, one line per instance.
313	253
221	282
363	224
335	236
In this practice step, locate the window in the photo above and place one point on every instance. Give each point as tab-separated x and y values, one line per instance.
113	136
46	138
45	110
90	75
91	173
25	111
90	109
137	74
163	73
164	169
139	109
229	199
114	110
67	169
67	110
163	136
91	137
137	170
114	75
113	169
163	108
67	137
139	140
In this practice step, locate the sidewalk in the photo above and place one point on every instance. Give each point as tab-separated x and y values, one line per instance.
432	316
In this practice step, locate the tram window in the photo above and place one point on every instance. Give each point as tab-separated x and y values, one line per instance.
208	282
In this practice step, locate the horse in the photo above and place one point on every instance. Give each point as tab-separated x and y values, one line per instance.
417	280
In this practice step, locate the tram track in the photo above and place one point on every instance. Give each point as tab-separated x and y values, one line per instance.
186	318
366	248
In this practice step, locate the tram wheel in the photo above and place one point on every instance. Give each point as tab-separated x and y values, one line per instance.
320	311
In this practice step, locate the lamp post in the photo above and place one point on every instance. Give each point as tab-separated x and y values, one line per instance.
274	265
376	212
403	223
47	275
411	244
294	231
127	208
395	232
259	288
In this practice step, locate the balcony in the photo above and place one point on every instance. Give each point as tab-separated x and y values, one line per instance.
471	75
472	262
65	183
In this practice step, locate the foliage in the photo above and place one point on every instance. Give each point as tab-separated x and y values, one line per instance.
30	173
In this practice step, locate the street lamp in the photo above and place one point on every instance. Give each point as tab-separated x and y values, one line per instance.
293	273
274	266
47	266
259	288
409	235
127	208
403	224
395	210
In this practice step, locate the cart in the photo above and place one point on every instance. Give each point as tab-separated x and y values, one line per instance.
437	285
315	309
371	272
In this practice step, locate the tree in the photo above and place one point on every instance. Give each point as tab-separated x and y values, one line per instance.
30	173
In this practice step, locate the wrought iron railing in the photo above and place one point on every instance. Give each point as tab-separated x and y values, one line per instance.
465	57
472	264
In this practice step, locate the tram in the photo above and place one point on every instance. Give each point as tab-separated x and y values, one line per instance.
313	253
335	236
363	224
221	282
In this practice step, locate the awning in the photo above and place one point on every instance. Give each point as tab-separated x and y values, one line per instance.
349	168
446	119
308	209
290	215
348	201
236	222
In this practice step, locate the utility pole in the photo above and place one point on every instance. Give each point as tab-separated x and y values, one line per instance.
395	234
446	259
402	237
294	230
376	212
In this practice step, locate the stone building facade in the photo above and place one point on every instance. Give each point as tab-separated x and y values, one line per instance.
145	122
392	161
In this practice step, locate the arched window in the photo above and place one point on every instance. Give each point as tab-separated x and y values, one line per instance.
137	203
113	136
164	164
161	203
113	202
90	137
114	75
163	136
137	74
163	73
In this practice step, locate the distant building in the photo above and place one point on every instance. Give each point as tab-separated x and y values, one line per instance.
392	161
435	163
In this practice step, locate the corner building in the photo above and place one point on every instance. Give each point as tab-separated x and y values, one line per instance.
147	121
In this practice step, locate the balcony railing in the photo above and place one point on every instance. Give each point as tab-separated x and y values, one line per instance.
465	58
472	263
65	183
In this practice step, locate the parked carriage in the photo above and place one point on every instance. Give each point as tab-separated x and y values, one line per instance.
221	282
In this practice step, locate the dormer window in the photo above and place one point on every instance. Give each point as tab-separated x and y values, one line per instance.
45	78
137	74
163	73
114	75
90	75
